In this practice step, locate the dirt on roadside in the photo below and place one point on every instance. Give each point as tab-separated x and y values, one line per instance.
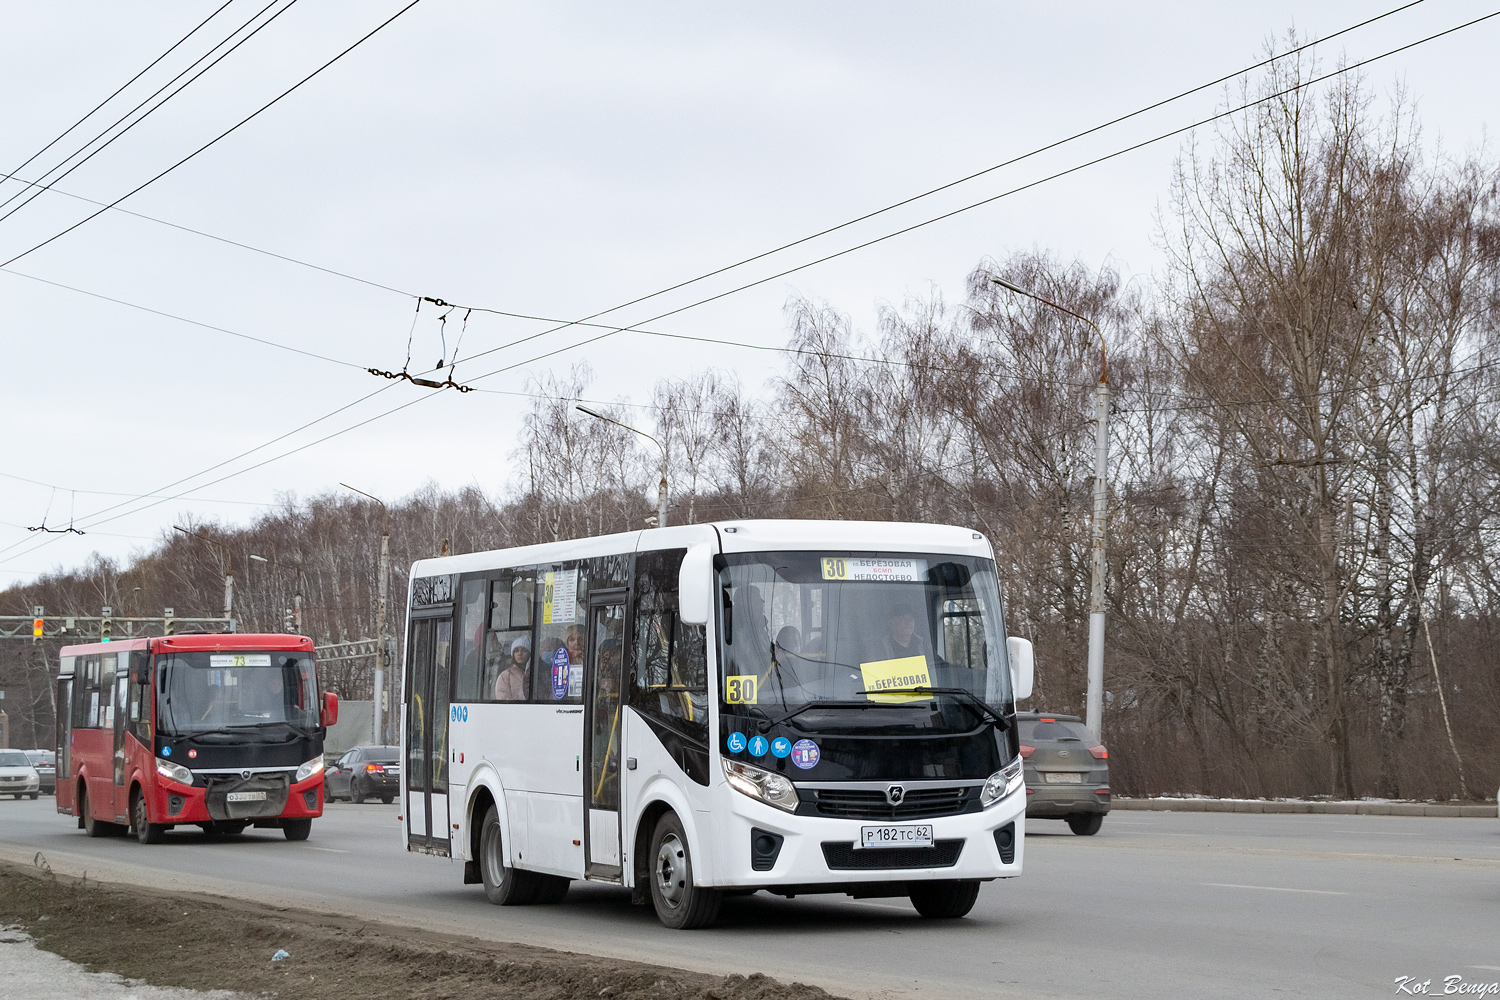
213	942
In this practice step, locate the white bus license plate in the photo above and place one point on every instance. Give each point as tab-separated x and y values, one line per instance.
895	836
1064	778
246	797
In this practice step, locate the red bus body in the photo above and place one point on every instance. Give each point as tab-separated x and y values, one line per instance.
110	739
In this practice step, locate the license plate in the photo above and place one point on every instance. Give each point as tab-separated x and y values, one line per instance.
896	836
246	797
1064	778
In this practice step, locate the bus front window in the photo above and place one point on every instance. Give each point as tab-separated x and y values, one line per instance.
201	691
830	641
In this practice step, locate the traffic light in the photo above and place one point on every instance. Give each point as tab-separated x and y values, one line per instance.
106	626
37	628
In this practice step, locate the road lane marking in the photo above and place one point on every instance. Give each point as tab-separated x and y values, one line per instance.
1487	968
330	850
1275	888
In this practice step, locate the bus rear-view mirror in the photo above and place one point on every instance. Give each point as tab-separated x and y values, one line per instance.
1022	666
330	709
695	584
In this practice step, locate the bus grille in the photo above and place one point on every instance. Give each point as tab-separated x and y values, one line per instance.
275	786
870	803
844	856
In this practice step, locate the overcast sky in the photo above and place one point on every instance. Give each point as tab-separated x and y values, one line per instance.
552	159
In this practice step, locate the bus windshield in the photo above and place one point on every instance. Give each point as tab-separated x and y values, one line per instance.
828	641
202	692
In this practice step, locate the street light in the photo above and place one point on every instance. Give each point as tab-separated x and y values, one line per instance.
296	594
661	488
1094	700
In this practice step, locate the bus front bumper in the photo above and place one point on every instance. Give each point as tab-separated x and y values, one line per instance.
765	847
175	803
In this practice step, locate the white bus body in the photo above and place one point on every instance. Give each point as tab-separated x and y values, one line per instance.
693	710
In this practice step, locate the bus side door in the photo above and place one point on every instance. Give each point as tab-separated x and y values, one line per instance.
428	664
122	690
64	762
602	735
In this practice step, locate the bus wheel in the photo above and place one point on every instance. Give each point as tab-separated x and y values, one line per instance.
146	831
679	903
295	829
504	886
945	900
91	826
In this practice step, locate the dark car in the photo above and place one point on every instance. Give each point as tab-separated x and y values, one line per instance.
364	773
1067	771
45	762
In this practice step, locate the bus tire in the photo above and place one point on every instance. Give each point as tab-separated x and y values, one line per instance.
503	886
944	900
680	904
91	826
296	829
146	831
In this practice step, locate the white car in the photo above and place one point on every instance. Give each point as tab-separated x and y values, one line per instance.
17	776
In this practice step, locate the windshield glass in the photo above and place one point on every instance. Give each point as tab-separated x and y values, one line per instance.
203	691
13	758
830	640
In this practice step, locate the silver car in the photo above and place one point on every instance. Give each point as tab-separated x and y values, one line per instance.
1067	771
17	776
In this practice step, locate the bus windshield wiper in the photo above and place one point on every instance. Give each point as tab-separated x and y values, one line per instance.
969	698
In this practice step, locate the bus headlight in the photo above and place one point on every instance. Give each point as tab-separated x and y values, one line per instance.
174	772
309	769
761	784
1002	783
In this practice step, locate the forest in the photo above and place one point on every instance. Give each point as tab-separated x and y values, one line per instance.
1301	585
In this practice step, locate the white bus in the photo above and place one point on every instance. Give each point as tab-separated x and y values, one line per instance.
794	706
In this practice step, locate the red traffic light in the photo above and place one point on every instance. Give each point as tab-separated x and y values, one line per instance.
36	628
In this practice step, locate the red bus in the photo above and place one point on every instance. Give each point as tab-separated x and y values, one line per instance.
217	731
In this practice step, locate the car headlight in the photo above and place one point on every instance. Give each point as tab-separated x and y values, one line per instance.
174	772
758	783
1002	783
309	769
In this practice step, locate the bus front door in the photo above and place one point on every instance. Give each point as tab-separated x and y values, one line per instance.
63	763
430	653
602	750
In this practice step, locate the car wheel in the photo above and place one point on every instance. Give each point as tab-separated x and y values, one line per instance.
295	829
146	831
387	799
503	886
945	900
356	795
1085	824
679	903
34	796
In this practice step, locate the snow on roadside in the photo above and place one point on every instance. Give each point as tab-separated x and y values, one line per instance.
29	973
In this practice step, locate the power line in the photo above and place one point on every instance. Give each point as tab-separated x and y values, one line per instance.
65	132
42	188
233	128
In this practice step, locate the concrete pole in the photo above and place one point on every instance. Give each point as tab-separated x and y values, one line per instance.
1094	702
382	645
661	502
229	596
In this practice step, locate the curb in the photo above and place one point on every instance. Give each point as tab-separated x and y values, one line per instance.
1325	808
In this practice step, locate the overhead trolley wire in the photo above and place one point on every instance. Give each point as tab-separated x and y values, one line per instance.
216	139
40	188
611	331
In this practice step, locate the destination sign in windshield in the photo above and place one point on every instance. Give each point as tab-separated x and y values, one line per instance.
873	568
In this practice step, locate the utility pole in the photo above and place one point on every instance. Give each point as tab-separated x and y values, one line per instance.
1094	698
661	487
383	586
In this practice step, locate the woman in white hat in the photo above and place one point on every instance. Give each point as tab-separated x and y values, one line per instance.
510	685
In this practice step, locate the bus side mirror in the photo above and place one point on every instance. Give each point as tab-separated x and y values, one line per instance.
330	709
695	585
1022	666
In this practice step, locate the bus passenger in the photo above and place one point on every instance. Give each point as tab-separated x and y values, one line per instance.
510	685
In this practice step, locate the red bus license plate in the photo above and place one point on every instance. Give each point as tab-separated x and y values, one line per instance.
246	797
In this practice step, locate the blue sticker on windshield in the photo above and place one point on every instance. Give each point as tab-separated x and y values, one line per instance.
560	673
736	742
805	754
758	746
166	751
781	746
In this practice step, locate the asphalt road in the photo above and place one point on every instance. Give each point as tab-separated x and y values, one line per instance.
1156	905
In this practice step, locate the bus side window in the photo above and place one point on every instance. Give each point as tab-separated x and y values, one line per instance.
510	621
669	676
471	629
